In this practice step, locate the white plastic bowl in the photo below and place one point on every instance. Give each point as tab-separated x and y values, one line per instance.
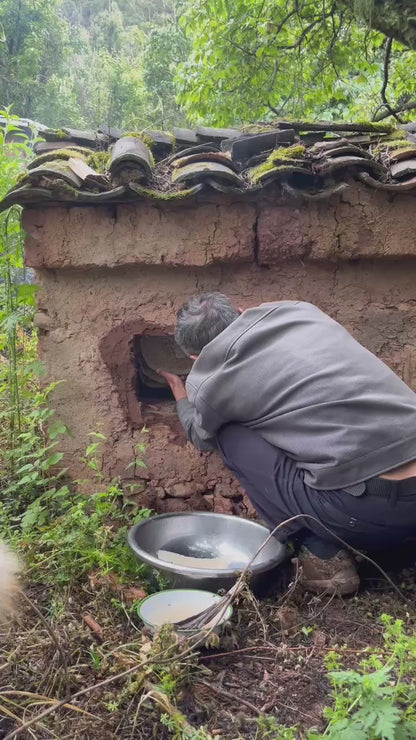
173	605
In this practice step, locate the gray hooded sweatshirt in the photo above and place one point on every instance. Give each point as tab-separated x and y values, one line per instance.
305	385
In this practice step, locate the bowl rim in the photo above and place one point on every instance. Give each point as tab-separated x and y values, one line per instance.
201	573
227	615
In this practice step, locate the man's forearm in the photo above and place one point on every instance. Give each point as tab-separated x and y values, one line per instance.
199	438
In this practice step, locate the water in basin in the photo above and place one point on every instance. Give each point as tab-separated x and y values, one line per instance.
209	552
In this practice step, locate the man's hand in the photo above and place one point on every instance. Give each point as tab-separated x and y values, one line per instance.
175	383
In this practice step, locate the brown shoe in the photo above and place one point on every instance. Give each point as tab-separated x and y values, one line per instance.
337	575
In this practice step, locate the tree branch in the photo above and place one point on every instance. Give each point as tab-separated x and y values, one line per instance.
279	27
309	27
411	105
387	57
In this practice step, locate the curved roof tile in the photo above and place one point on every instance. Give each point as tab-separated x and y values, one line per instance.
311	161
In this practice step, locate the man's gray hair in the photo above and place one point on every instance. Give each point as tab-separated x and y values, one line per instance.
202	319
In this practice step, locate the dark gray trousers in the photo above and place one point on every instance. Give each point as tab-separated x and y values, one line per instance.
277	491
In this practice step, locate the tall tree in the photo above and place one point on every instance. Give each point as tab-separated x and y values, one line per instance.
35	44
88	62
165	48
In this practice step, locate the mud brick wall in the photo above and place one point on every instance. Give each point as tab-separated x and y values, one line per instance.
108	274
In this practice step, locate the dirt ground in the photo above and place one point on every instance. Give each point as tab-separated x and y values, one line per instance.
269	662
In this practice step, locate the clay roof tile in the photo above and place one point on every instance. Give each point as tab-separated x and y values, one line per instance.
311	161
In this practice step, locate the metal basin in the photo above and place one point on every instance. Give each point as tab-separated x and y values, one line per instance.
229	541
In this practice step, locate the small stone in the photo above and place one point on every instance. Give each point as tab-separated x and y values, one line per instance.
43	321
211	484
132	594
197	502
223	505
181	490
173	506
225	491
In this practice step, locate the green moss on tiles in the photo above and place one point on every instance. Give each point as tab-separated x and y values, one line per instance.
59	133
147	139
143	136
254	128
282	153
64	189
22	177
99	161
55	165
173	195
58	165
290	154
392	144
377	127
398	134
63	154
262	169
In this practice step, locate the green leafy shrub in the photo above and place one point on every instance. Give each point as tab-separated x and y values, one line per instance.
375	702
62	533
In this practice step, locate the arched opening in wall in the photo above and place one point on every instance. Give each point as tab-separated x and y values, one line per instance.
151	352
132	352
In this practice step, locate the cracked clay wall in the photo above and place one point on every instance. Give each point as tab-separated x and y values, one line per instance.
107	274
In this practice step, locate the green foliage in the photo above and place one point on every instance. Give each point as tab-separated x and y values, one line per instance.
303	58
63	534
17	300
87	63
375	702
128	63
379	700
66	535
268	728
35	45
165	48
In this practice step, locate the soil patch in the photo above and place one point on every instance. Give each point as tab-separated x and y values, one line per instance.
270	662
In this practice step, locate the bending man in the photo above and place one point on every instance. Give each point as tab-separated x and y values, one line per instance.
308	421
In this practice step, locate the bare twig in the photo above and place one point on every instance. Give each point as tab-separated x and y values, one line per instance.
228	695
280	650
